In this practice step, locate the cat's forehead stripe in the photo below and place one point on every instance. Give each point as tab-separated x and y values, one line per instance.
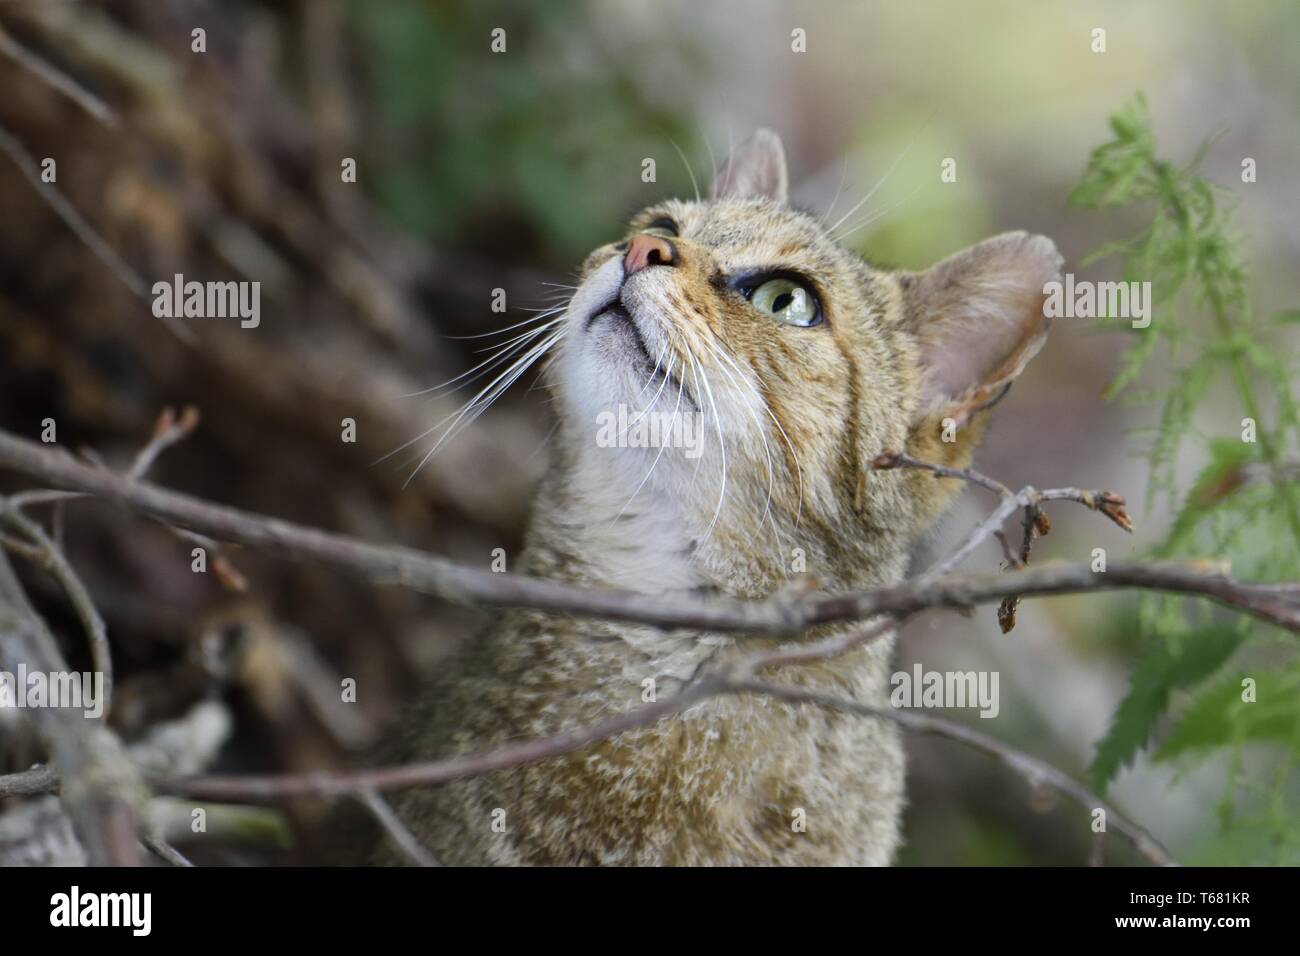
752	233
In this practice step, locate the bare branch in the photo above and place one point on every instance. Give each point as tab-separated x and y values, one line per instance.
363	784
781	614
789	611
1109	503
805	652
100	787
1036	523
353	783
54	561
1036	772
28	783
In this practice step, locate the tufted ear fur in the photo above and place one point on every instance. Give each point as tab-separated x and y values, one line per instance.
755	170
978	319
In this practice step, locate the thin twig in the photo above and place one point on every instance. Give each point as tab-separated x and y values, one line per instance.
1035	524
56	78
1109	503
61	568
167	431
84	231
28	552
1013	560
364	785
737	677
165	851
397	831
805	652
899	459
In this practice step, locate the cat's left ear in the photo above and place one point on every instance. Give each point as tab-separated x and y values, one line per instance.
978	319
754	170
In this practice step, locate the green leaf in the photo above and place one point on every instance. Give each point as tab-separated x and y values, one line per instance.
1220	477
1219	716
1244	506
1169	665
1247	844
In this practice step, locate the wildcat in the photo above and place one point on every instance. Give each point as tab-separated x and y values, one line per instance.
802	363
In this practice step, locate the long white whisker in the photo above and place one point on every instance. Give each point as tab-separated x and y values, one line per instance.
689	171
650	381
681	384
481	401
721	354
697	395
768	515
550	323
540	314
793	454
713	160
544	442
862	223
798	515
844	173
478	371
722	447
651	403
858	205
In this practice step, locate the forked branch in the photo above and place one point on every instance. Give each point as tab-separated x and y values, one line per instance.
786	614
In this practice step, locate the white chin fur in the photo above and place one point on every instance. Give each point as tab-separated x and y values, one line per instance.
602	365
604	373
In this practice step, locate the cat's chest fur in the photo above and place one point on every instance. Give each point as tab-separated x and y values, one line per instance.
733	780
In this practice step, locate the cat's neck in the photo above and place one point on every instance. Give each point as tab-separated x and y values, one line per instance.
589	529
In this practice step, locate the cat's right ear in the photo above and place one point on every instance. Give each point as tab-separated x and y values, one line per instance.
978	319
754	170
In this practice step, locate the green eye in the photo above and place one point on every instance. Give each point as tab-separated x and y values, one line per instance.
786	301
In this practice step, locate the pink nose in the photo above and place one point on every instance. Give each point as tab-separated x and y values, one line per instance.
646	250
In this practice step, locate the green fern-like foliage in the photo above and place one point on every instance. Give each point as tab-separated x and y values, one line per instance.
1208	686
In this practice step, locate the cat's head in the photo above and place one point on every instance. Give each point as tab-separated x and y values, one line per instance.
731	363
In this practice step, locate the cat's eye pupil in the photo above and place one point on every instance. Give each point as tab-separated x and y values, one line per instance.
786	300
